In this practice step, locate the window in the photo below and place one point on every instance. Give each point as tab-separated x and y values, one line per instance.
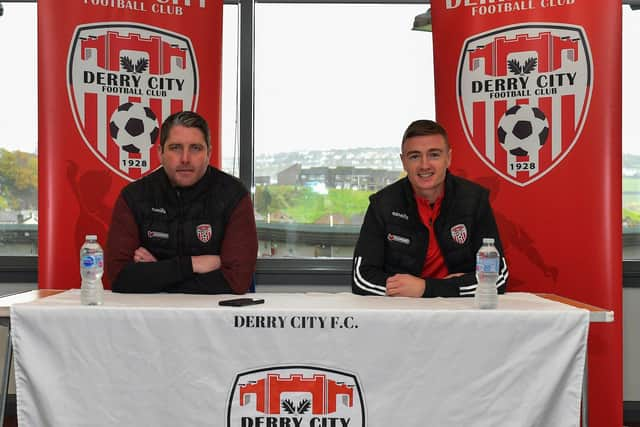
18	125
630	141
335	87
229	139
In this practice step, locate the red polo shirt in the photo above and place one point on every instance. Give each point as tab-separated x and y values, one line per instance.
434	265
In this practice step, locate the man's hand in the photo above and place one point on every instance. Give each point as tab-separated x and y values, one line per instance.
143	255
405	285
205	263
452	275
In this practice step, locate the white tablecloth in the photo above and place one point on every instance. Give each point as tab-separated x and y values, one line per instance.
312	360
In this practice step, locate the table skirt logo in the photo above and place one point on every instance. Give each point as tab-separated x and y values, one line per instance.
124	79
523	96
301	396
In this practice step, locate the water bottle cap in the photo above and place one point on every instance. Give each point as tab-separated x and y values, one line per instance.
488	240
91	237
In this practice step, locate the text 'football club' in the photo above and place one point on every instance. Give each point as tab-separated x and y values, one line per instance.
160	7
492	7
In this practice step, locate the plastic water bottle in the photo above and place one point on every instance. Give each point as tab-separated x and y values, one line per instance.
487	266
91	268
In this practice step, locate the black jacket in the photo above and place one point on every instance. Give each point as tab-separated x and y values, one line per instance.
177	223
394	240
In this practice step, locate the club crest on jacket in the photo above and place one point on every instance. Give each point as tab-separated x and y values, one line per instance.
459	233
204	232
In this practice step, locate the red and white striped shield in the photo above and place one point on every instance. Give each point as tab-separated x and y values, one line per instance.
459	233
523	96
123	80
204	232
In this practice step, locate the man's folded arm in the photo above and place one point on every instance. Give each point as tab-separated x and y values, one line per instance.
459	286
238	255
122	272
150	277
368	275
464	285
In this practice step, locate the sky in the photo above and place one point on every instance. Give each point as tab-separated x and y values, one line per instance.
630	81
325	76
18	77
341	81
314	91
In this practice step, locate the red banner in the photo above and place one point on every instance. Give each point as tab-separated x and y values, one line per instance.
110	71
530	92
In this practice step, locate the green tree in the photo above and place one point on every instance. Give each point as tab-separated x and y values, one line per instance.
262	199
18	180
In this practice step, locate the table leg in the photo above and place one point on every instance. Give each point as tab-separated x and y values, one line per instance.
585	393
4	392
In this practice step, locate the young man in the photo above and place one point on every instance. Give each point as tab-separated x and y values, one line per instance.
187	227
420	234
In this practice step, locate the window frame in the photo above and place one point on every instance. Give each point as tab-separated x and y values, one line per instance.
270	271
283	271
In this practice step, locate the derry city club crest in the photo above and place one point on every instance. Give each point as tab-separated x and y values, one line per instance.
302	396
123	80
204	232
523	96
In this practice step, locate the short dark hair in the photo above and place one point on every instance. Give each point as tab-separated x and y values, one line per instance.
187	119
424	128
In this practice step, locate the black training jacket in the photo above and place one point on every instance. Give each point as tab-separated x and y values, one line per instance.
175	224
394	240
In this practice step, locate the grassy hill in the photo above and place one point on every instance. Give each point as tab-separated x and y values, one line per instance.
304	205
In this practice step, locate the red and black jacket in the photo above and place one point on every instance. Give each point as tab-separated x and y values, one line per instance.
212	217
394	240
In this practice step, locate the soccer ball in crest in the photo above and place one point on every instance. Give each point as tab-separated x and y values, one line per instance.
134	127
523	130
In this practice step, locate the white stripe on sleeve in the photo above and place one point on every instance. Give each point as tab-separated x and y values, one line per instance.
365	284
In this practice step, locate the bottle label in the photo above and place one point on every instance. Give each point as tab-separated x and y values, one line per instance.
90	261
487	265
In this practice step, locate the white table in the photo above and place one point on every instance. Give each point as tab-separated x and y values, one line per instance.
167	360
5	304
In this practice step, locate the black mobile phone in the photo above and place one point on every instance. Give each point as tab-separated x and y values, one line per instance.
241	302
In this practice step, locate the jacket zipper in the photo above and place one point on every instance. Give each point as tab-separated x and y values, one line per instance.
180	223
